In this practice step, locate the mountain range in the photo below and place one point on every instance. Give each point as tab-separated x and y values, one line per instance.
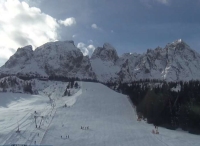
175	62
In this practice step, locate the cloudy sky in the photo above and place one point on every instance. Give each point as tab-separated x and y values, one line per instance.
129	25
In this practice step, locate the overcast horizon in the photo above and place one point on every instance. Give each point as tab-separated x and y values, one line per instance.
129	26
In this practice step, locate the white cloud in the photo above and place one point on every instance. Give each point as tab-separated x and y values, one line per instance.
68	22
6	52
83	48
149	3
74	35
80	45
22	25
90	41
86	50
163	1
94	26
91	48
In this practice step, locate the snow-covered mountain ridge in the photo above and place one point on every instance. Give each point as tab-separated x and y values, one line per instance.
53	58
175	62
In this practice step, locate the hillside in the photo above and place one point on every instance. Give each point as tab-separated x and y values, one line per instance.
109	115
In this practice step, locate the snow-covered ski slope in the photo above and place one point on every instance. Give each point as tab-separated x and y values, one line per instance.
110	116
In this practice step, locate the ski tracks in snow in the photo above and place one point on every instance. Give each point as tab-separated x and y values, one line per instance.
21	138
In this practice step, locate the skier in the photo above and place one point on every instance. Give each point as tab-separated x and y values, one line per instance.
154	130
157	130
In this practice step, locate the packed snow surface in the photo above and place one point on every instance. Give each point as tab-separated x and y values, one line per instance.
109	116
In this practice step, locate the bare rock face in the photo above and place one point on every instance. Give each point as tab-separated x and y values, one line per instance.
127	63
103	63
105	53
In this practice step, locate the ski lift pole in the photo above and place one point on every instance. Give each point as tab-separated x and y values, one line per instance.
17	126
41	120
35	122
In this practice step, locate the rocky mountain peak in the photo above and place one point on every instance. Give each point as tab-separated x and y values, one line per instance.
178	45
58	45
105	53
108	46
24	50
28	48
20	57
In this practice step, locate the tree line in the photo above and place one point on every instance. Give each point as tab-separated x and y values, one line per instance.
168	104
45	78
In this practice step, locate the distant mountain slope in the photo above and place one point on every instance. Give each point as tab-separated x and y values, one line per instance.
175	62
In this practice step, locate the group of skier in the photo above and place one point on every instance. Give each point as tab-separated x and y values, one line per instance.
155	130
85	128
67	137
